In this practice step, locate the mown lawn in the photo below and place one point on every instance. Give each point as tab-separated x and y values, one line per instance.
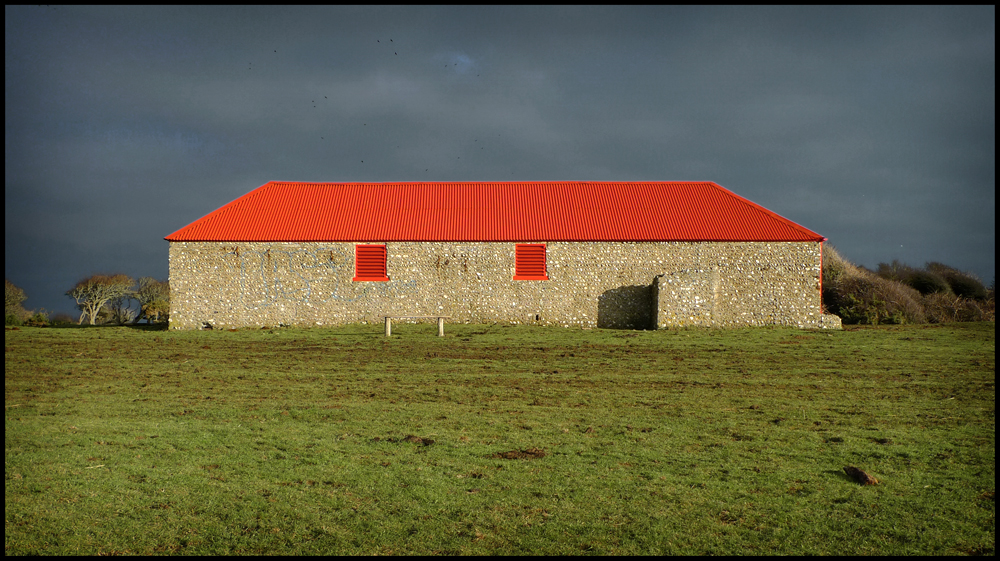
294	441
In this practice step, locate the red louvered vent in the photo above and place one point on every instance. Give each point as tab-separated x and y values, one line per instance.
529	262
369	263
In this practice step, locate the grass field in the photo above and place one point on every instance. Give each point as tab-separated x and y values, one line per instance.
499	440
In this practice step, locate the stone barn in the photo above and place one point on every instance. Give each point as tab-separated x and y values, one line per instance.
636	255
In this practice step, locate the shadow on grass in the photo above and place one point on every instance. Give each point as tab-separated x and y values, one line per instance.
139	327
149	326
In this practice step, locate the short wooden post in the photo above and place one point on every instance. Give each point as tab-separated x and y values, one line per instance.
440	327
388	327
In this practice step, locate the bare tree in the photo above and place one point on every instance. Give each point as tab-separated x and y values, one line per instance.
119	310
92	293
154	299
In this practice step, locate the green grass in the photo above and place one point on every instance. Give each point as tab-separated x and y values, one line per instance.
291	441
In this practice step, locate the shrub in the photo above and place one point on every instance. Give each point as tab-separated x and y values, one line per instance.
894	271
13	297
962	284
947	308
991	301
924	281
898	293
154	300
928	282
858	295
62	319
37	319
869	299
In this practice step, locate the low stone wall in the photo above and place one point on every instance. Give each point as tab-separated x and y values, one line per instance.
686	297
635	285
830	321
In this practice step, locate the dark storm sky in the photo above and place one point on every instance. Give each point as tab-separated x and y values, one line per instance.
874	127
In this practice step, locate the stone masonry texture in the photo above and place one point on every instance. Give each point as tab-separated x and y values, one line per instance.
629	285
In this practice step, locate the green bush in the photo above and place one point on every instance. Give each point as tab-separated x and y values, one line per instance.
962	284
894	271
924	281
928	282
13	297
898	293
860	296
947	308
62	319
872	300
37	319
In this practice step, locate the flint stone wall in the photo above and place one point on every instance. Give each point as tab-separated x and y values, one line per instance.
636	285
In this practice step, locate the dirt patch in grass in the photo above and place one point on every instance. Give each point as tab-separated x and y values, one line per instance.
408	438
860	475
528	454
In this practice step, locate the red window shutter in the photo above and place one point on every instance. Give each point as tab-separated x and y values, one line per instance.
369	263
529	262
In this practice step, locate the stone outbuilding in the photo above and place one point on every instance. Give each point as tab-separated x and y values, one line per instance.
636	255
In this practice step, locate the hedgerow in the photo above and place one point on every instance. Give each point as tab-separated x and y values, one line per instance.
896	293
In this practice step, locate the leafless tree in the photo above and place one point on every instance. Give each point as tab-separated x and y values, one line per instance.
119	310
92	293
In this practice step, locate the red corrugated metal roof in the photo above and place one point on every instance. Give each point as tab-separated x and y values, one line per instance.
506	211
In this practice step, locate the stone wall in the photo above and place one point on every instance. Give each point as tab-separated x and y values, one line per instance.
635	285
685	297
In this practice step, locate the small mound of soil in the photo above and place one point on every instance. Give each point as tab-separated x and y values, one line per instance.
860	475
408	438
529	454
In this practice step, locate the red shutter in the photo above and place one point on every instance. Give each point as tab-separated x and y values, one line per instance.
529	262
369	263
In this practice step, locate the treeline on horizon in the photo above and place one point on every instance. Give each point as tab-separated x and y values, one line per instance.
894	293
115	299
